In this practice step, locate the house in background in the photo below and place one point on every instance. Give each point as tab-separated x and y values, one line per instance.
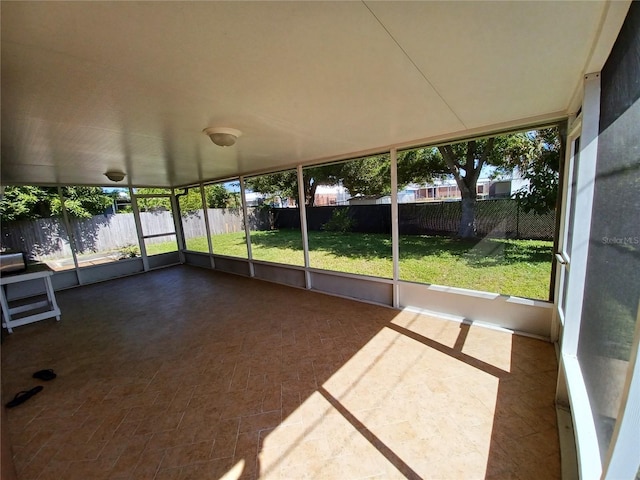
442	190
506	188
370	200
329	195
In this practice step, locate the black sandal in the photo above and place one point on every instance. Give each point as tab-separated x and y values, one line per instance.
45	375
22	397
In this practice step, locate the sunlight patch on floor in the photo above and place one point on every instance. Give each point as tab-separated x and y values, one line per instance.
397	407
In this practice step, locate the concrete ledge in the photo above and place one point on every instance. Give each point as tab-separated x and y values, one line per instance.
518	314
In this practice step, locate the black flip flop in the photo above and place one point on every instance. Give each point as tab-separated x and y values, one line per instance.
45	375
22	397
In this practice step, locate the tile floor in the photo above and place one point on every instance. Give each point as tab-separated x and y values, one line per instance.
184	373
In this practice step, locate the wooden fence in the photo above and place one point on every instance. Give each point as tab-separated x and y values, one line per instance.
47	239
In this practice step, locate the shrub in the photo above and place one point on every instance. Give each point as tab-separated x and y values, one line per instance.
339	221
129	251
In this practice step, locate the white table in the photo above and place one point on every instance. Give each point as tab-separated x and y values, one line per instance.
8	313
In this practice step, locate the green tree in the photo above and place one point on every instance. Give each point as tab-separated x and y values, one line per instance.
316	176
153	204
190	201
533	153
365	176
21	203
541	168
465	161
29	202
218	196
82	202
279	184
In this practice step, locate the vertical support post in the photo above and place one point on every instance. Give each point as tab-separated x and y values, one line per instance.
303	225
247	230
138	222
395	229
568	151
562	171
72	237
207	226
176	213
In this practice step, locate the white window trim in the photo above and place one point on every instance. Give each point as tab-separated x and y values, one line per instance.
588	451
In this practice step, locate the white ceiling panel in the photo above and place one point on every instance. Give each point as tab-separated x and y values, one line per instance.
94	86
497	61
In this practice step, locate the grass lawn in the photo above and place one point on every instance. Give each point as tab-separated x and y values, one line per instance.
164	247
511	267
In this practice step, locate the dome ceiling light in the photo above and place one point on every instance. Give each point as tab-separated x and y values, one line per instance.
115	176
223	136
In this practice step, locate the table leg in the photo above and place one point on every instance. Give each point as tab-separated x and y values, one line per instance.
6	316
52	296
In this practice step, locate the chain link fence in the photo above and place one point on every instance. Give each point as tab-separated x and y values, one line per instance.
502	218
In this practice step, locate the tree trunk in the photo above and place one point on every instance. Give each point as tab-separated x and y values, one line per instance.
467	184
467	228
311	194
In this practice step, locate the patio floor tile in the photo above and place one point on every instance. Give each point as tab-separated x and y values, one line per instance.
202	374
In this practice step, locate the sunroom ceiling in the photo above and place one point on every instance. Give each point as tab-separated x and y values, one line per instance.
89	87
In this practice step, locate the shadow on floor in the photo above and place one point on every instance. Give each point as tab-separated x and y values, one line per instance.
187	373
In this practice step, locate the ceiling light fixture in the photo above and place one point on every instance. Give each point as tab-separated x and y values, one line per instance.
222	136
115	176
